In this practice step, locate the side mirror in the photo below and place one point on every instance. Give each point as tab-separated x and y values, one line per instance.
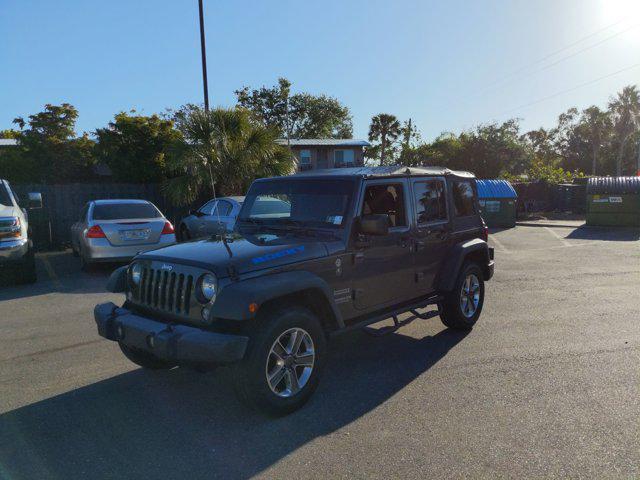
195	213
377	224
35	200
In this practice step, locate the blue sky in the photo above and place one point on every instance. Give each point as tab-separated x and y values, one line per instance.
448	65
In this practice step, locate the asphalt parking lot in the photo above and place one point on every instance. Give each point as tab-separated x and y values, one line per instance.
546	385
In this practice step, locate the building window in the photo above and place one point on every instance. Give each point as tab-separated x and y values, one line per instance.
463	199
305	157
431	205
343	157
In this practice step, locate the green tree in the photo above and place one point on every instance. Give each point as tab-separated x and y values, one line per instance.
301	115
135	147
49	145
269	104
222	152
383	132
9	133
625	114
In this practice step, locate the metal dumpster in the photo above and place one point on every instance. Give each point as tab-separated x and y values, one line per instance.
497	200
613	201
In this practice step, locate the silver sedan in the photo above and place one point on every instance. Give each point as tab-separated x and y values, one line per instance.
210	219
117	230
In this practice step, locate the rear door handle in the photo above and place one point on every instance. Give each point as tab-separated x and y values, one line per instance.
420	245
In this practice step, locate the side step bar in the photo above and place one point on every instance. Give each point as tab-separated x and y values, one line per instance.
375	318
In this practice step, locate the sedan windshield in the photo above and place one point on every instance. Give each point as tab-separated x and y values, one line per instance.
321	203
124	211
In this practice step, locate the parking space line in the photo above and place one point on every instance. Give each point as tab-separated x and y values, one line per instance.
499	244
564	241
51	272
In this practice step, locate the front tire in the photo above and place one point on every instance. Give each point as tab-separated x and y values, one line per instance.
144	359
462	306
284	362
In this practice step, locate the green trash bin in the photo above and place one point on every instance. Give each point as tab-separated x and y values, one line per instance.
497	200
613	201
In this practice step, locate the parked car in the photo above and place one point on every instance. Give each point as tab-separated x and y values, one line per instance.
215	216
353	247
17	260
117	230
220	215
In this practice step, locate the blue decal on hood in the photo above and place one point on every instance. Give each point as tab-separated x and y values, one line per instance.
280	254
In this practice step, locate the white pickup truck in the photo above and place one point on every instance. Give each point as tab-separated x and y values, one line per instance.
17	261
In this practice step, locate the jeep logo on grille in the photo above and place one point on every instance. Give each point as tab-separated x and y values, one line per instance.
166	267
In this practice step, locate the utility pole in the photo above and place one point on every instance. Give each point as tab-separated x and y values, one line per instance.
203	50
638	170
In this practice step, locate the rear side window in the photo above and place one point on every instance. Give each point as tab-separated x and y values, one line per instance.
463	199
5	198
431	203
124	211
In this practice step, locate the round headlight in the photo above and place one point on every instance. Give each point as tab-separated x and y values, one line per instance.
208	287
136	274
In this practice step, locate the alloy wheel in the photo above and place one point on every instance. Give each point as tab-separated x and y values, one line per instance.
470	295
290	362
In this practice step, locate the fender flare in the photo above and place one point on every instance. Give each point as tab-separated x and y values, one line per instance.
450	268
234	299
117	282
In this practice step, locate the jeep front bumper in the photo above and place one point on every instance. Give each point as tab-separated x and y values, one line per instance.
175	343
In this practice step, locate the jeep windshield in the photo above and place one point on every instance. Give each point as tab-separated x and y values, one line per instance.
292	203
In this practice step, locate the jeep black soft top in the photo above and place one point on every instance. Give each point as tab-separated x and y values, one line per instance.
341	249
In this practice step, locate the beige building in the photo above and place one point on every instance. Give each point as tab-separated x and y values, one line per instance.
319	153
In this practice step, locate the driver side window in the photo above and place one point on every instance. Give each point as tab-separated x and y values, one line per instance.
207	208
386	199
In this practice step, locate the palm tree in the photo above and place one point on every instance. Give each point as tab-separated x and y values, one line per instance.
386	129
223	151
596	125
625	111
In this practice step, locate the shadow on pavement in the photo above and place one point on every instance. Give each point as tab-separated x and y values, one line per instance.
58	271
614	234
180	424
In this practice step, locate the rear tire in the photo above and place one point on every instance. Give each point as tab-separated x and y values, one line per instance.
85	266
145	359
462	306
184	233
274	354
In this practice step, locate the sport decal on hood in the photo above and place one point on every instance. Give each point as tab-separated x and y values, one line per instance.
280	254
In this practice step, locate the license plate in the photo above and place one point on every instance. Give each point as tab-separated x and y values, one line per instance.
140	234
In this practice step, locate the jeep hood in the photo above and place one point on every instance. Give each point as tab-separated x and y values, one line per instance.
244	254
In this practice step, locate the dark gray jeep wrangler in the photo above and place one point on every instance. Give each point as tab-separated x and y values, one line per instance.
312	255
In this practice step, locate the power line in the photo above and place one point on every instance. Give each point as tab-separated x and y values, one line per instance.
595	80
553	54
587	48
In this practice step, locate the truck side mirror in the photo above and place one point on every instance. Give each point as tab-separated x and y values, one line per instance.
35	200
377	224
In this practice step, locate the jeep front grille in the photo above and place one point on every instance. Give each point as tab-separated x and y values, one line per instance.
166	291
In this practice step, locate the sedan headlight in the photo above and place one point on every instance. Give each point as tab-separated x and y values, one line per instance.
136	274
207	288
